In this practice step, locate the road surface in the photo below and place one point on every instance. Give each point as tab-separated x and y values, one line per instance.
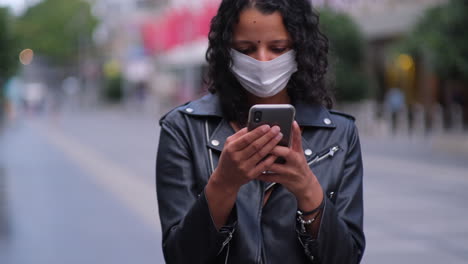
79	188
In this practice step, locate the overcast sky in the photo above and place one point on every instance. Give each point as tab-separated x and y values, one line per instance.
17	5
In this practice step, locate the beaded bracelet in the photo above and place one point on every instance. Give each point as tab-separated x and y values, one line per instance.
303	223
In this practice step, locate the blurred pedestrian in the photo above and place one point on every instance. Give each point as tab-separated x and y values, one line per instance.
394	104
216	203
13	97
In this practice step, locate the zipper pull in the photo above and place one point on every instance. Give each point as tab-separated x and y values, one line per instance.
333	151
227	239
330	153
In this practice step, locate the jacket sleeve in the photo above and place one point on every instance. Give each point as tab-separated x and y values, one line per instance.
341	237
189	233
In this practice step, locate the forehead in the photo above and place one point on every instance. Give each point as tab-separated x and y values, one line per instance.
255	25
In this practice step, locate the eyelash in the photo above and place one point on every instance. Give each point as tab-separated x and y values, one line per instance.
245	51
278	50
249	50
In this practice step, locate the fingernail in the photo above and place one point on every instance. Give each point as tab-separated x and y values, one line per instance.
265	128
276	129
279	136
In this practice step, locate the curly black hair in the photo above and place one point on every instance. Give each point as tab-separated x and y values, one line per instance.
302	22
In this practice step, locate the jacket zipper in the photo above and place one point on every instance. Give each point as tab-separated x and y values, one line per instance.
210	152
227	254
260	246
330	153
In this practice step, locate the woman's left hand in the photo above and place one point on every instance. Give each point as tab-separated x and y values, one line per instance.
295	173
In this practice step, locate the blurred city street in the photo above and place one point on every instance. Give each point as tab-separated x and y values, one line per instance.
83	85
79	188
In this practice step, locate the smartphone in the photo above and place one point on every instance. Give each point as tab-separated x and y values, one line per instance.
281	115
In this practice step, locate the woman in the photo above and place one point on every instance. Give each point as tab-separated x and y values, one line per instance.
215	203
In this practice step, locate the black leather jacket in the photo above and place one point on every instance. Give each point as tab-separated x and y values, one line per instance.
191	140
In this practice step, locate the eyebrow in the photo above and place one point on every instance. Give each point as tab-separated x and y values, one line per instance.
278	41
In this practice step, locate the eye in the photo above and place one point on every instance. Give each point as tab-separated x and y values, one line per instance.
245	50
279	50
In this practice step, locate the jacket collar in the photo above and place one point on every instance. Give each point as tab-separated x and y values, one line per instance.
306	114
313	116
208	105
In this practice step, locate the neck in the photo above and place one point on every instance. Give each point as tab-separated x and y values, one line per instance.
280	98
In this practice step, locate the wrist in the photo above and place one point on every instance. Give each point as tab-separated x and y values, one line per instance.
217	184
311	198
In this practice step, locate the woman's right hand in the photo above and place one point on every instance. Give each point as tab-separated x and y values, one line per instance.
242	157
242	160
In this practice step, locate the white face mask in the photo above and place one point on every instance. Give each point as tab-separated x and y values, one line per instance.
263	78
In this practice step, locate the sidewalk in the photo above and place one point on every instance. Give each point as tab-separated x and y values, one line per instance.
454	143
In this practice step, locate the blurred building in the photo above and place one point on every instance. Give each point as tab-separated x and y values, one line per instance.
164	43
424	93
178	39
119	37
178	36
158	44
383	23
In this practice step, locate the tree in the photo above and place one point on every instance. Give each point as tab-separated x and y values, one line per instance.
8	53
8	50
441	35
57	29
346	55
443	30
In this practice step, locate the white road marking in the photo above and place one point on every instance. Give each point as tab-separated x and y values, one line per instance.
122	183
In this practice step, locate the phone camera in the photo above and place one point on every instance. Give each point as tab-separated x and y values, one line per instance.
257	116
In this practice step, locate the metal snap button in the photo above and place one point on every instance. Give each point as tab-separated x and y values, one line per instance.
327	121
308	152
215	142
189	110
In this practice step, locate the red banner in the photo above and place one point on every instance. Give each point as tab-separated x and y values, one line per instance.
177	27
